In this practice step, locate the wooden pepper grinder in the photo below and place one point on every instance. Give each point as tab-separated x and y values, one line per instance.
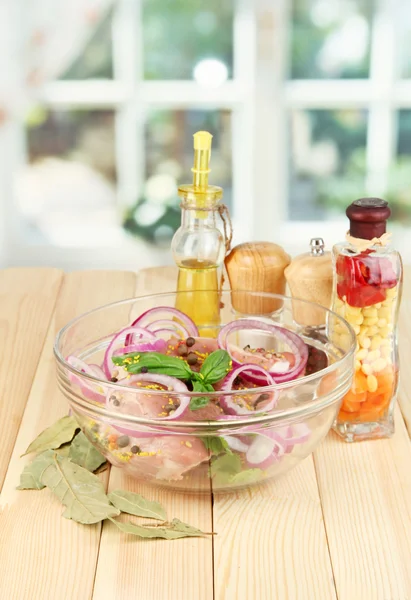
256	267
310	277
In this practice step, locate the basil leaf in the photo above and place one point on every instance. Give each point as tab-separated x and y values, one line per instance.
200	401
216	366
196	403
155	362
216	445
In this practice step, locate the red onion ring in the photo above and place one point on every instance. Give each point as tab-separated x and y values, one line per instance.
261	452
296	344
169	382
129	333
174	326
152	346
90	390
145	319
228	403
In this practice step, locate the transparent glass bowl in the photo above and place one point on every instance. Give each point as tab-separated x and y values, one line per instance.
203	453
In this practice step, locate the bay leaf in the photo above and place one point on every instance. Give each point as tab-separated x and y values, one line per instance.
54	436
83	453
81	492
247	476
167	531
134	504
30	479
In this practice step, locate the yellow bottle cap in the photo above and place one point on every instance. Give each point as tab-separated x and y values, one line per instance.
202	140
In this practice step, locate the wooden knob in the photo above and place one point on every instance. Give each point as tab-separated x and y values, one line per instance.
256	267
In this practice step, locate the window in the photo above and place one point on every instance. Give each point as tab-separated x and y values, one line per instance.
309	103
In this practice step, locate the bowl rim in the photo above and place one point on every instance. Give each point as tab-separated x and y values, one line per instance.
306	379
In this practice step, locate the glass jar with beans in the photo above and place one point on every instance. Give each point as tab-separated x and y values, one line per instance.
367	292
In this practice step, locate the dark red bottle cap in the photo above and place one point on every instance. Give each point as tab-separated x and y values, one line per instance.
368	218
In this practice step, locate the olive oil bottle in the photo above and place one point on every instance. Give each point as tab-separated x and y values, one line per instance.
198	246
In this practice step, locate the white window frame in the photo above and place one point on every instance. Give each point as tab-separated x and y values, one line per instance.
259	96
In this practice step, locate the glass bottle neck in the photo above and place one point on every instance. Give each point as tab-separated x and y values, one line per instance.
197	219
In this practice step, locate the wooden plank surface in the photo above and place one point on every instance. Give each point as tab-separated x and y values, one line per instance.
27	299
272	540
366	496
180	570
42	555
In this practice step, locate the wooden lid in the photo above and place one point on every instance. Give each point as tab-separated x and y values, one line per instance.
257	256
307	266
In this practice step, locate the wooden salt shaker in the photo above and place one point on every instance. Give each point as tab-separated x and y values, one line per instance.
256	267
310	277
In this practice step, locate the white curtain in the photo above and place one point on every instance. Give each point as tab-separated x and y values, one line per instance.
39	39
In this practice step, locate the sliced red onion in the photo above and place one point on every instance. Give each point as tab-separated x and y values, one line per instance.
174	326
128	332
150	346
146	318
172	385
235	443
263	451
294	341
228	403
91	391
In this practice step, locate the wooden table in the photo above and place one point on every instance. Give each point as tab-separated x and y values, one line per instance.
338	526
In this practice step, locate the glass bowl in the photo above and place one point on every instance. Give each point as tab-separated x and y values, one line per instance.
205	452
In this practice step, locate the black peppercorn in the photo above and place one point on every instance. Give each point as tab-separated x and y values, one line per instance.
190	341
192	359
144	369
123	441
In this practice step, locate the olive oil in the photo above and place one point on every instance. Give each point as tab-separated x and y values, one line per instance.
200	300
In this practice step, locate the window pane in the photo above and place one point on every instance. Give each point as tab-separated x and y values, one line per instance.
399	181
178	34
330	38
327	162
95	59
169	159
66	193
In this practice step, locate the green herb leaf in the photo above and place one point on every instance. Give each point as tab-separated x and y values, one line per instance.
247	476
81	492
229	464
155	362
197	403
30	479
168	531
216	445
223	468
216	366
83	453
200	401
134	504
55	436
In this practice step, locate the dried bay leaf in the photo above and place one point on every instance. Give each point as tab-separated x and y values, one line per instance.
30	479
167	531
81	492
83	453
134	504
54	436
